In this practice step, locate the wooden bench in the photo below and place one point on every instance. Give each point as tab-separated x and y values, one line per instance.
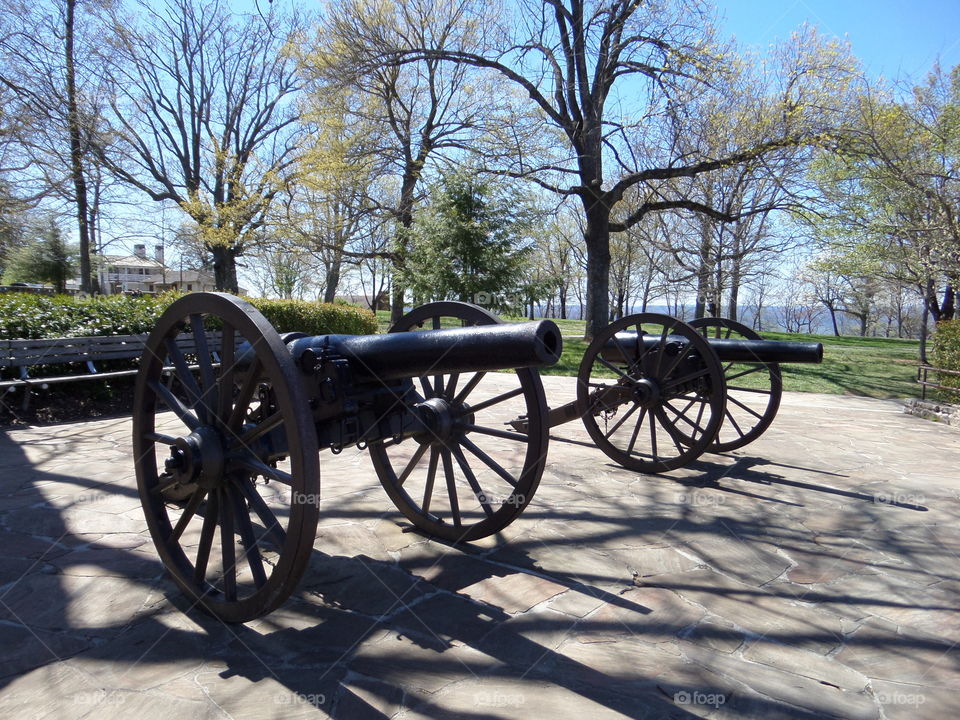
24	355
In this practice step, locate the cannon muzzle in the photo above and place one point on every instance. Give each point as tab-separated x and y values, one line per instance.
627	345
477	348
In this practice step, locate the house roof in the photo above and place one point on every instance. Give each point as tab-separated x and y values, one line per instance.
132	261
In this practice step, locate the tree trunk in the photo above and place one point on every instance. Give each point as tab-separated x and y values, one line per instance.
924	331
948	306
597	239
833	320
332	282
732	312
225	268
76	153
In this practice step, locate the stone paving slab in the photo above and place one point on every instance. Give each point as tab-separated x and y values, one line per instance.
811	574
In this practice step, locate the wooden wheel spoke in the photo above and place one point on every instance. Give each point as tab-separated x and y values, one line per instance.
259	467
271	524
227	372
451	387
749	409
740	374
681	415
203	352
428	390
258	431
188	512
174	403
183	372
661	346
207	532
506	435
488	461
610	366
249	542
431	477
472	480
687	378
677	360
228	546
160	438
402	478
671	431
468	388
494	400
244	396
636	431
451	487
622	420
758	391
653	437
733	422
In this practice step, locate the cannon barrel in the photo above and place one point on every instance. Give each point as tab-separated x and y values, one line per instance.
763	351
394	356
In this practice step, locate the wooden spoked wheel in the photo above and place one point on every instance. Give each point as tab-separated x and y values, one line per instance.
223	426
753	388
474	475
655	406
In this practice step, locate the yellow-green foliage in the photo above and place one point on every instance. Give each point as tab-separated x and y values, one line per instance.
315	318
946	351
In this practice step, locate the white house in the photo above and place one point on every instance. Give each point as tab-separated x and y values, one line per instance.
139	273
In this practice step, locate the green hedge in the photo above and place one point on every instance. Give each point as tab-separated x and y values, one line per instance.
946	352
316	318
25	315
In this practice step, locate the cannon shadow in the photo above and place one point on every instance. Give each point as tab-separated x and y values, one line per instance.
431	629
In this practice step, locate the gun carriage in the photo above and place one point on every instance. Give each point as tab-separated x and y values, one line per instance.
226	448
655	393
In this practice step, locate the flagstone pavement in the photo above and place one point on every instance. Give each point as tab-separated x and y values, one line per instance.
814	573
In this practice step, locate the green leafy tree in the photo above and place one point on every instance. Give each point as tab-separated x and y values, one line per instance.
889	198
47	259
465	245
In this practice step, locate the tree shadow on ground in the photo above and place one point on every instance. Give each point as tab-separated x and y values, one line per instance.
368	637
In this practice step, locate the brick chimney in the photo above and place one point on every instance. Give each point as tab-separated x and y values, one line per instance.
140	251
158	253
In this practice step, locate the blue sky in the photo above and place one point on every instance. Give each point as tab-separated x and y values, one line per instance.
895	38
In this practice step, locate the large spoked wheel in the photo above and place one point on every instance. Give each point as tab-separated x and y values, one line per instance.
221	425
654	404
475	474
753	388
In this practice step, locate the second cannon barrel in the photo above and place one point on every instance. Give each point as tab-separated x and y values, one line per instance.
627	345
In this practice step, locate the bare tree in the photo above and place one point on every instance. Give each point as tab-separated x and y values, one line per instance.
425	114
202	113
47	64
607	76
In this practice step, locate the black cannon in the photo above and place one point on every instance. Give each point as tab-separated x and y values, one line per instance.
655	393
226	440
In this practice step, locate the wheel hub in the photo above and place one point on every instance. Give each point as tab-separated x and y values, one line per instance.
198	457
646	392
436	416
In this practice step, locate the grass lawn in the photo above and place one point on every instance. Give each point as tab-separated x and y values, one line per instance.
870	367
